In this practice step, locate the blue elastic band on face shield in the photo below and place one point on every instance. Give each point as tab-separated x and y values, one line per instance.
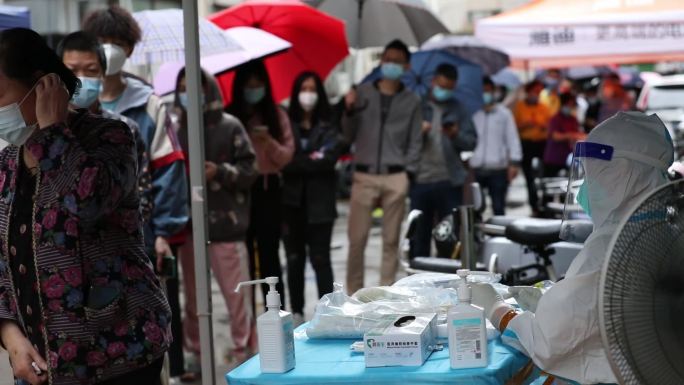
593	150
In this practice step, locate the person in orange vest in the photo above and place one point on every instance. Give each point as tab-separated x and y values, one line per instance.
532	119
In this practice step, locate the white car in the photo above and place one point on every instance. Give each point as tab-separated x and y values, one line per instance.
664	95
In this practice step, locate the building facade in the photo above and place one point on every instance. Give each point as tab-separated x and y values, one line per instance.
459	16
55	17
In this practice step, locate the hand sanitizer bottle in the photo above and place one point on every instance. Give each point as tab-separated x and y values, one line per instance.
275	331
466	327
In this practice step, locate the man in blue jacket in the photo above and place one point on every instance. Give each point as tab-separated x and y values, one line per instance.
447	130
118	32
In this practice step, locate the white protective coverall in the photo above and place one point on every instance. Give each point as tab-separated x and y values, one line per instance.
562	337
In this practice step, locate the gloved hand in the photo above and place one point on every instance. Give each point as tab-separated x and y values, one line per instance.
485	296
526	296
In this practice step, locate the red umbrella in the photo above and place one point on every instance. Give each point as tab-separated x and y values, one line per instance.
318	40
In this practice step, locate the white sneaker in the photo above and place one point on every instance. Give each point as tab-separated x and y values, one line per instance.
298	319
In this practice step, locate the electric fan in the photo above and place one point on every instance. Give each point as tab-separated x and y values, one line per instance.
641	298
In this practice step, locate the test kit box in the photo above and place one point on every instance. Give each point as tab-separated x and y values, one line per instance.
400	340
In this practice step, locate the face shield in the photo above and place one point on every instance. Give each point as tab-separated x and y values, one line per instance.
577	207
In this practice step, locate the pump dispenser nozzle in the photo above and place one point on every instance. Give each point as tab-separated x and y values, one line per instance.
466	329
275	331
463	289
273	297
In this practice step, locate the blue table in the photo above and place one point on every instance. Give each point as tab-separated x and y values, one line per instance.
331	362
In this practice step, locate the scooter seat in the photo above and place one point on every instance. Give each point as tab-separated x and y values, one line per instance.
534	231
439	265
501	220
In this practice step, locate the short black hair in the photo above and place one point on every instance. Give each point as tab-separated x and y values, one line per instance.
613	76
565	97
553	71
534	83
25	57
447	70
487	81
83	42
113	22
399	46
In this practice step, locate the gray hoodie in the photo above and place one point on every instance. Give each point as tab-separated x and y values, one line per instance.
378	144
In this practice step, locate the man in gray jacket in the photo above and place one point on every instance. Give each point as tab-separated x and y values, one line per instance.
447	130
382	122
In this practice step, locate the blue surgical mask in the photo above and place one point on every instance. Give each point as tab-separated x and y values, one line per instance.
441	94
551	83
183	99
488	98
583	198
87	95
391	71
565	110
254	95
13	128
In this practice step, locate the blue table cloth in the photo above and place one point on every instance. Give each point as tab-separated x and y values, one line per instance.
332	362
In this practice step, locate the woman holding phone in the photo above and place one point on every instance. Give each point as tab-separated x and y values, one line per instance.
269	129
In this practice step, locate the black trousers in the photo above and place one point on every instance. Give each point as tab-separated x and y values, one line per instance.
176	360
263	235
301	239
530	151
496	183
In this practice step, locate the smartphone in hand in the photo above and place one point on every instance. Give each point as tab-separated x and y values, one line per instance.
260	129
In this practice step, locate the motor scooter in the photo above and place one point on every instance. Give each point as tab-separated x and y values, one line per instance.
523	250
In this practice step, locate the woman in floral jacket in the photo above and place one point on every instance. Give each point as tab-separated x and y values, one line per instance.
79	301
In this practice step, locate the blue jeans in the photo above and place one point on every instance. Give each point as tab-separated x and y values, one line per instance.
436	201
496	182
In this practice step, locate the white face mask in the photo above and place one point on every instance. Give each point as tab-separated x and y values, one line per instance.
116	58
308	100
13	128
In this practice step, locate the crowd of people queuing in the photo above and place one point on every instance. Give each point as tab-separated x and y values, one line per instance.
94	190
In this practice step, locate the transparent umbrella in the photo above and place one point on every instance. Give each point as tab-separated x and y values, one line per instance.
255	44
162	38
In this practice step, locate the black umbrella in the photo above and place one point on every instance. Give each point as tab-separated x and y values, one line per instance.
373	23
472	49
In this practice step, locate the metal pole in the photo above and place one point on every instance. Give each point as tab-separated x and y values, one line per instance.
197	183
467	236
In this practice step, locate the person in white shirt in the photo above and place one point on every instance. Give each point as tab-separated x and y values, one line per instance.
497	157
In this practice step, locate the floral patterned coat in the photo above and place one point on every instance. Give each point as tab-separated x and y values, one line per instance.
104	312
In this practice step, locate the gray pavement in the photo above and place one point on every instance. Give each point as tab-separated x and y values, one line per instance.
221	319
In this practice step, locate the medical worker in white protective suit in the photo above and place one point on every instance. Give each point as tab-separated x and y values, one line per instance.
622	160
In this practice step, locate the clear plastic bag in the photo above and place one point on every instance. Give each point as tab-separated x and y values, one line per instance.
446	280
341	316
